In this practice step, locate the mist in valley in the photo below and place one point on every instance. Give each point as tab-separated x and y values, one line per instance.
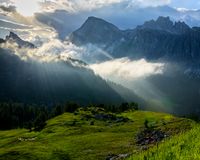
55	68
163	86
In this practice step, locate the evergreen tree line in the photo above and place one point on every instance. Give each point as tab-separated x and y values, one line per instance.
15	115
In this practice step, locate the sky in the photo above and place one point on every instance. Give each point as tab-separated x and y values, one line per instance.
189	4
29	7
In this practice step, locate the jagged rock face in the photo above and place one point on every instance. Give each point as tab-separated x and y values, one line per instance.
153	40
14	38
160	24
165	24
154	44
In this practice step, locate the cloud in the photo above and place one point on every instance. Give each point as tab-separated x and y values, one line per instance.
75	6
124	69
53	50
35	34
183	10
52	5
14	23
85	5
136	75
149	3
27	8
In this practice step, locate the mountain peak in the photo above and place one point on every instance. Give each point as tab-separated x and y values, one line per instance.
162	23
163	19
94	18
98	22
12	35
14	38
97	31
165	24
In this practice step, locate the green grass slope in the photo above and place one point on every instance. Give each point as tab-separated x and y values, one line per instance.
180	147
85	135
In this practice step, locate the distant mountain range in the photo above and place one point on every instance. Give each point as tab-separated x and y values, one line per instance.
155	39
126	16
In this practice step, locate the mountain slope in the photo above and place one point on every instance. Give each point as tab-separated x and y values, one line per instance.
51	82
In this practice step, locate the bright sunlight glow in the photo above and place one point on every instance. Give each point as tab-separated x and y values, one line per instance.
27	7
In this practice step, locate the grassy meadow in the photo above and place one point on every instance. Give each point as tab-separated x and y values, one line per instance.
81	136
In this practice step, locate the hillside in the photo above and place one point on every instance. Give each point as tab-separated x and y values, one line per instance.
90	134
184	146
27	78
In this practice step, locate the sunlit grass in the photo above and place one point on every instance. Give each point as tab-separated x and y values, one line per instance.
181	147
70	136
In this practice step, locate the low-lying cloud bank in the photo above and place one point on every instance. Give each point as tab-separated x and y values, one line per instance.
53	50
124	69
117	70
135	74
50	47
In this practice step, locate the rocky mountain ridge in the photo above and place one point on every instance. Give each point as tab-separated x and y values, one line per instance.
160	39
